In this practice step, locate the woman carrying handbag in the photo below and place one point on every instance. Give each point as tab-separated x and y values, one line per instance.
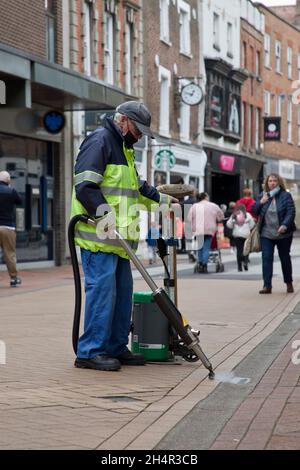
276	210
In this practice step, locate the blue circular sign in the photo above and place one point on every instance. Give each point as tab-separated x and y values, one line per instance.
54	122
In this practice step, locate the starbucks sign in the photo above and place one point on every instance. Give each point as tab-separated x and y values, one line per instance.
164	159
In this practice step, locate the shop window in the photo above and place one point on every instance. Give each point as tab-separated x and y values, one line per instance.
215	114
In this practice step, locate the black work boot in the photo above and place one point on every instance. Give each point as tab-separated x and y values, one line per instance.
98	363
128	358
205	269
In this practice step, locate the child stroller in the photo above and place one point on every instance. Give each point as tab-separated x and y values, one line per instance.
215	256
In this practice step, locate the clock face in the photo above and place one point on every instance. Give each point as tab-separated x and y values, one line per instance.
191	94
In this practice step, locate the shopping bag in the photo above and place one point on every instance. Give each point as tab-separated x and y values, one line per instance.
252	243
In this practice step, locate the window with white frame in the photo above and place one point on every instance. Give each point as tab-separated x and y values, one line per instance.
164	113
267	102
257	63
278	105
185	118
164	20
290	62
299	66
278	56
50	30
216	31
267	46
185	27
229	40
250	126
87	37
257	129
109	49
290	120
128	57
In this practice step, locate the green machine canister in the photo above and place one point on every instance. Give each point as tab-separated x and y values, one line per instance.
150	332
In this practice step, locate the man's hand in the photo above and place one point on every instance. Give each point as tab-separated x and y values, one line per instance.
264	199
282	229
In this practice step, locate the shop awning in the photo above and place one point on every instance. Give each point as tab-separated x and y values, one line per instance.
52	85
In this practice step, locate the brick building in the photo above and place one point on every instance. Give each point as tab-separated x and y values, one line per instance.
280	74
56	55
252	52
171	52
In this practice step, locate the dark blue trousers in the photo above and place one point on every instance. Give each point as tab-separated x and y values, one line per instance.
283	247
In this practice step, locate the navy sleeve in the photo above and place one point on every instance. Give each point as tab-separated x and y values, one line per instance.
149	191
89	170
17	198
290	211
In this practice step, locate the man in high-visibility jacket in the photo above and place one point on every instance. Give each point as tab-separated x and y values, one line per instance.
107	187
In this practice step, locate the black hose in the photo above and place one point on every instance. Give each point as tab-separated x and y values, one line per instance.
77	280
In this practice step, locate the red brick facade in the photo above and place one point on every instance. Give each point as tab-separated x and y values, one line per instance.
120	10
169	57
279	84
252	51
23	26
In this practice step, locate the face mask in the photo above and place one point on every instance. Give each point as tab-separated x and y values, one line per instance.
129	139
274	191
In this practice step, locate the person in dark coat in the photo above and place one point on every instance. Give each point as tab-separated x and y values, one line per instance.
276	210
9	198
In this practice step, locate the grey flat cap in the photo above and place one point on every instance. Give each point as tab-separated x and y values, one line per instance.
139	113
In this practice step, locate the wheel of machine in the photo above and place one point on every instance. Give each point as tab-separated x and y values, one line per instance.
218	268
191	357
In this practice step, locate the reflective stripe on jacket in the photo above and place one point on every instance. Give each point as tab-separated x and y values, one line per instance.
106	179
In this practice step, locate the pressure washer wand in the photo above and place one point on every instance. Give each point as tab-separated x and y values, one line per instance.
164	302
168	308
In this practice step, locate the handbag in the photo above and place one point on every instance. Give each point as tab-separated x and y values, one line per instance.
252	242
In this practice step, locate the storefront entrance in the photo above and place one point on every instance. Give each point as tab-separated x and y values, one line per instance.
224	188
30	164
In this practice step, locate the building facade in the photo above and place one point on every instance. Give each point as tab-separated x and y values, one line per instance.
50	61
281	75
230	167
171	51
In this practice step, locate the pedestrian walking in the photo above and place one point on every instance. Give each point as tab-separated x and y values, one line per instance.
228	231
152	237
9	198
241	222
204	217
276	210
247	200
106	187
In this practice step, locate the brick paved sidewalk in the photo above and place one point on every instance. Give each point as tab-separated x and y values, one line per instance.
270	417
44	399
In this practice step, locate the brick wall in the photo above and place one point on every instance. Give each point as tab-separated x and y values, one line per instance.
98	35
252	89
278	83
169	56
23	25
